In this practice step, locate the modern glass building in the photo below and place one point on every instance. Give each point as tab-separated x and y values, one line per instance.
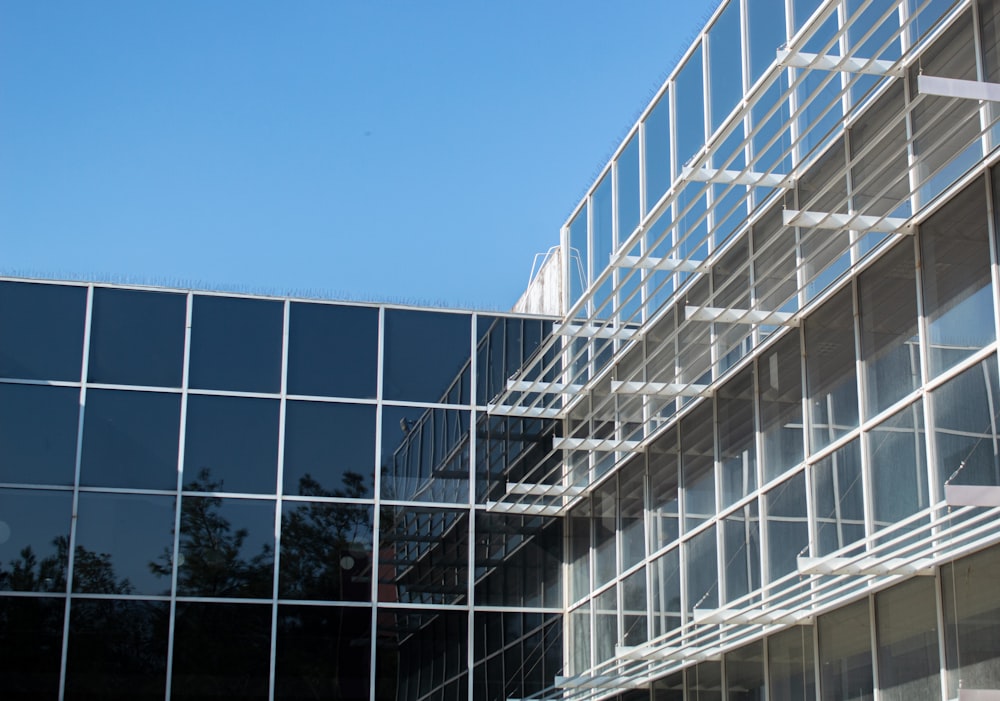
747	448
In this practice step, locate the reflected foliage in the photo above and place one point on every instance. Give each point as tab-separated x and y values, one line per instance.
30	646
93	572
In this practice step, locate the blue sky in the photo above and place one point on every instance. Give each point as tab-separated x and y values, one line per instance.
387	150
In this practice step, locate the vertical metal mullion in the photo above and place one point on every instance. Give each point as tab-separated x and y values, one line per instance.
872	628
185	375
74	518
471	548
864	436
923	350
278	495
940	603
376	520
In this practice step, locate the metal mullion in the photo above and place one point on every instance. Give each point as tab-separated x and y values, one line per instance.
376	511
78	459
471	508
279	491
873	638
185	377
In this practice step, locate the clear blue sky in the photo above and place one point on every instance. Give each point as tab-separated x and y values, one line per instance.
374	149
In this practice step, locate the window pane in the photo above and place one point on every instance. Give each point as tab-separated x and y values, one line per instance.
602	240
725	60
966	416
628	189
787	526
236	344
666	583
130	439
702	571
737	448
579	250
664	505
520	560
117	650
332	350
766	20
231	444
425	454
971	607
955	261
837	492
42	331
38	429
741	551
898	466
31	647
634	608
631	510
690	108
780	396
845	653
830	370
326	551
426	353
504	344
329	449
698	465
424	553
790	664
908	661
745	673
34	539
322	652
889	341
137	338
226	547
221	651
124	544
657	151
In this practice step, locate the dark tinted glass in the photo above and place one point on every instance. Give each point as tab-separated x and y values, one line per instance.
42	331
117	650
332	350
236	344
503	346
231	444
34	539
425	354
30	647
221	651
423	554
326	551
38	427
425	454
329	449
124	544
420	651
226	547
323	652
137	338
130	439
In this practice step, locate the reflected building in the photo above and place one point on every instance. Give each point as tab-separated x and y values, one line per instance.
739	440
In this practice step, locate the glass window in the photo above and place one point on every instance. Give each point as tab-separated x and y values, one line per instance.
519	561
838	496
731	290
945	130
704	681
971	605
741	551
780	396
702	571
772	140
221	651
689	99
602	238
579	257
505	343
34	540
823	188
424	555
664	505
725	63
329	449
745	673
634	608
631	509
124	544
627	172
908	657
38	430
231	444
774	263
605	549
117	649
322	652
137	338
31	633
665	578
42	331
955	262
236	344
787	526
605	624
890	349
332	350
426	356
790	664
966	416
879	171
425	454
326	551
420	653
737	447
766	22
656	151
698	465
579	634
130	439
898	466
578	550
226	547
830	370
845	653
669	688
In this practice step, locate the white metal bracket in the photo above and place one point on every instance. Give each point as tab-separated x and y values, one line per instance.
840	220
953	87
